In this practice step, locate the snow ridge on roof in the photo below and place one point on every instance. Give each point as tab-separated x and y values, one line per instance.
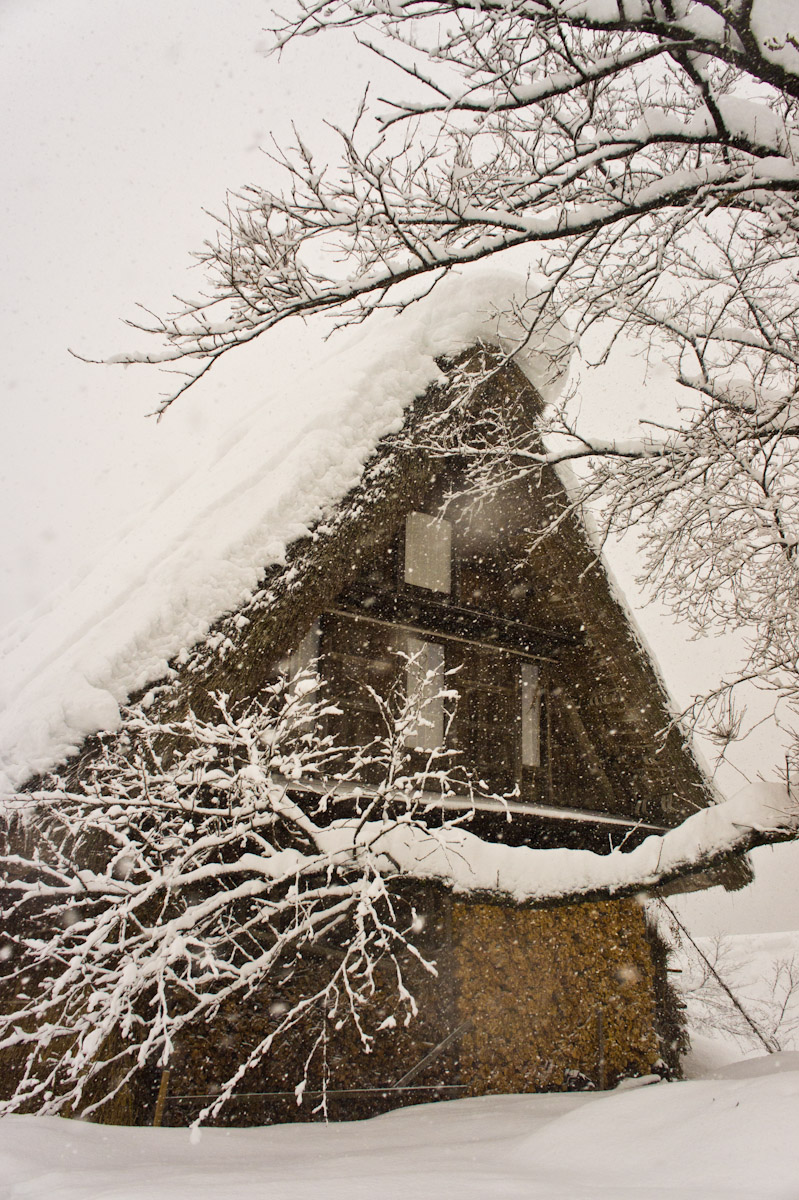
201	552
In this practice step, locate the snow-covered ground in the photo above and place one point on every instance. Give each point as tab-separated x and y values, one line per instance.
727	1138
729	1132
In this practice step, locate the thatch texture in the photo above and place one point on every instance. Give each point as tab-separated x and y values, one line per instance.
538	999
555	997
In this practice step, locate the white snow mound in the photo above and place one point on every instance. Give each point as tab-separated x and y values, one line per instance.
703	1140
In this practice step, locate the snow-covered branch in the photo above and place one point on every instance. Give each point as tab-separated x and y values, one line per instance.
192	862
647	157
541	124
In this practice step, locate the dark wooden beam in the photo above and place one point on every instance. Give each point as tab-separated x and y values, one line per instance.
441	619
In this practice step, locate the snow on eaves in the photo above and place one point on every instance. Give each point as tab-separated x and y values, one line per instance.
201	552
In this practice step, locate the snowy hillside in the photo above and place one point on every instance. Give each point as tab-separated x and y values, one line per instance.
762	971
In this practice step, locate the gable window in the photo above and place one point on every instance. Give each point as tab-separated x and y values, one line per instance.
425	680
530	715
299	660
359	669
488	715
428	552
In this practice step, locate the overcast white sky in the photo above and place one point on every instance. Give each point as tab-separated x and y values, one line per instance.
120	123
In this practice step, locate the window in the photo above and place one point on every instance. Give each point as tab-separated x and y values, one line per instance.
291	665
425	680
359	668
428	552
531	715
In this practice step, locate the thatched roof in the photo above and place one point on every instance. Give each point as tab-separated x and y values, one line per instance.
203	548
314	539
596	642
322	519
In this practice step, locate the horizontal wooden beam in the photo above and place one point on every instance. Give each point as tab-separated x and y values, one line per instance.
417	624
453	803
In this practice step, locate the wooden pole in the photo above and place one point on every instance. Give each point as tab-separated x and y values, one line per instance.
600	1042
434	1053
161	1101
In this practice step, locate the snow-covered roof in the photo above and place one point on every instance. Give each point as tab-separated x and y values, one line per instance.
201	552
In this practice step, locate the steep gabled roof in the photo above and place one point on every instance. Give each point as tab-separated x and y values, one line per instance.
281	526
203	550
579	617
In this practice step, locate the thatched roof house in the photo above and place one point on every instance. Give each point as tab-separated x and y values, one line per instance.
373	543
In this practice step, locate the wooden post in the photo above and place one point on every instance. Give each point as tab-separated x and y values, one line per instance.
161	1100
600	1043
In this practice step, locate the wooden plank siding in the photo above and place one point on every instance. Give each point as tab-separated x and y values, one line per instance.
503	609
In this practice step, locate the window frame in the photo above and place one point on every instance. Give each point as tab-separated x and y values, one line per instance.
425	669
420	570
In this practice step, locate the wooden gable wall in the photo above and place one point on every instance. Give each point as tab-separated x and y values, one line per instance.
603	705
597	721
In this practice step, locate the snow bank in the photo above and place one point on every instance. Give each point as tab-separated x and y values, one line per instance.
705	1140
201	551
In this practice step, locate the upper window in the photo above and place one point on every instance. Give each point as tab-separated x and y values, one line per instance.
425	686
428	552
300	659
531	715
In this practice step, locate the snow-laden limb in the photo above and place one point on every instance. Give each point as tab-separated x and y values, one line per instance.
532	123
761	814
189	864
175	873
